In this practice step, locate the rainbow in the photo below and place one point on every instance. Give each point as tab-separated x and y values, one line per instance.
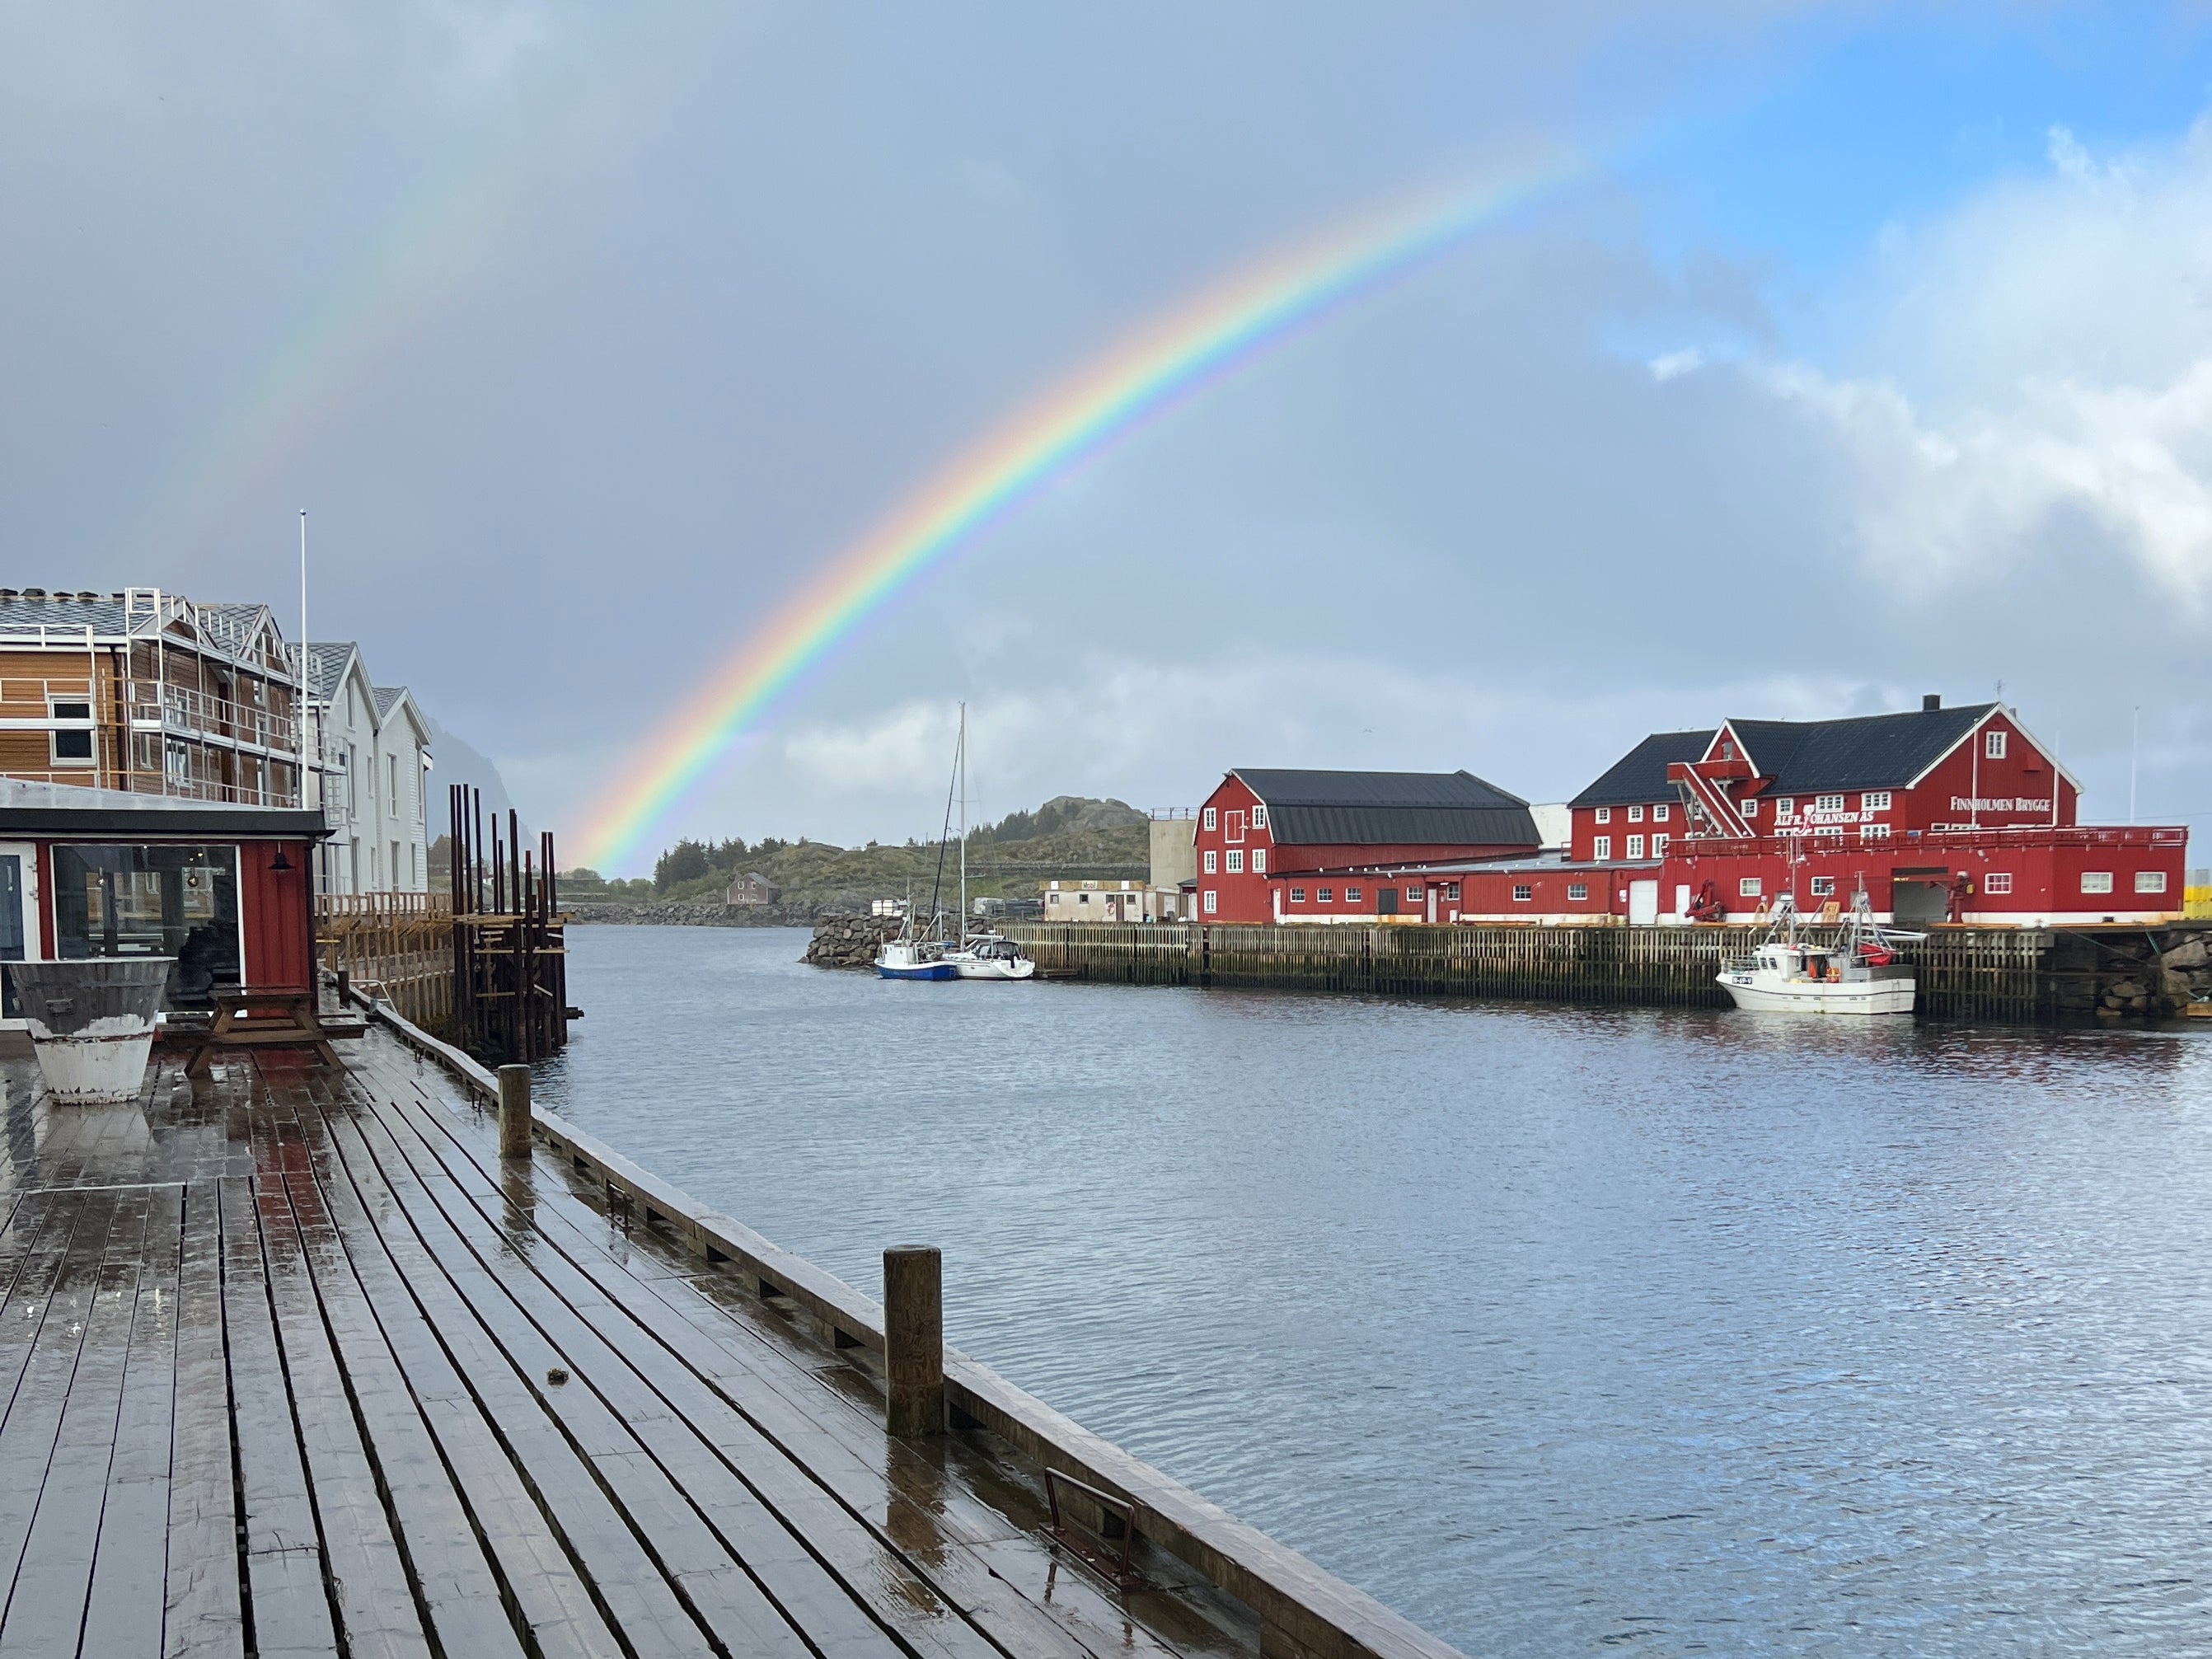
1172	355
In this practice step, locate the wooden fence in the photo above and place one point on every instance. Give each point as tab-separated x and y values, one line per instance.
399	946
2016	973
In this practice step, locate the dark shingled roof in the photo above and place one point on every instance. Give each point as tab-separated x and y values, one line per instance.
1411	809
1874	751
1641	774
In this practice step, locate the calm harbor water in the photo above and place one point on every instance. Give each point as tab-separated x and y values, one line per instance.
1560	1331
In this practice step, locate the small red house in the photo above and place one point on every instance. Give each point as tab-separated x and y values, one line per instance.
222	890
1260	828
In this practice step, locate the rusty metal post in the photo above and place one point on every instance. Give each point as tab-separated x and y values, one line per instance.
514	1111
914	1338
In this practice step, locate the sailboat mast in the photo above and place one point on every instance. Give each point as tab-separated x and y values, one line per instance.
963	935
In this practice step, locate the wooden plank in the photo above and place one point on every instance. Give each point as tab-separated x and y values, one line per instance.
631	1587
291	1611
432	1536
204	1618
123	1614
825	1468
806	1549
629	1437
551	1598
57	1293
46	1606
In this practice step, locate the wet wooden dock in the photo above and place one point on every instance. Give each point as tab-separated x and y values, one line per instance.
295	1364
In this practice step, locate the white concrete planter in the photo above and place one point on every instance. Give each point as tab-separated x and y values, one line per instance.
92	1023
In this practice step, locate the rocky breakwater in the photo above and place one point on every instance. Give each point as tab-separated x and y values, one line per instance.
706	913
848	941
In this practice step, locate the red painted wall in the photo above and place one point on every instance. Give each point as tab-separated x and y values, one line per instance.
275	919
1583	836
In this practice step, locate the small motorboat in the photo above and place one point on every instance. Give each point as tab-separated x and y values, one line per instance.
907	957
1857	973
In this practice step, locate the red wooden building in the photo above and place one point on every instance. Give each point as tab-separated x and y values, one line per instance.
1878	777
1270	842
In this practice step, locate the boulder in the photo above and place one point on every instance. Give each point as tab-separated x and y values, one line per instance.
2126	991
2192	952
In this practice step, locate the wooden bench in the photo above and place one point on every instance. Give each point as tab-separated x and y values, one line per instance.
266	1017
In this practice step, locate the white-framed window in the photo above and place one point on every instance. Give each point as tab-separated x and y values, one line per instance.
1636	847
1212	861
1297	895
391	784
1236	860
2096	881
1213	902
1577	891
1259	860
1824	887
1324	895
1749	808
1997	881
1635	815
1659	813
1659	846
1451	892
1522	892
1207	821
2150	881
1785	806
1601	848
71	742
1351	896
1874	832
1414	896
1259	816
1993	745
1874	800
1605	815
1827	803
1749	887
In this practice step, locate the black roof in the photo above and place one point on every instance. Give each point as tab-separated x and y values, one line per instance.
1873	751
1411	809
1641	774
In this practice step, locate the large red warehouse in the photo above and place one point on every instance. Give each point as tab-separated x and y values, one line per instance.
1261	827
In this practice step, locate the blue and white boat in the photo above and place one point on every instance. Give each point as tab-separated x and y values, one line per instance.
904	957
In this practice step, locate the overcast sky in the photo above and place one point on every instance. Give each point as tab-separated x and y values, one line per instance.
1873	357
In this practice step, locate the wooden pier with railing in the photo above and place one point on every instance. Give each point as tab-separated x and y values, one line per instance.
359	1361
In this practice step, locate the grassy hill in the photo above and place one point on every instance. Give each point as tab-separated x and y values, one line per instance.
1070	836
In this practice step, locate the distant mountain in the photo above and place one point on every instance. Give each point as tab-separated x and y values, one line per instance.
453	760
1062	814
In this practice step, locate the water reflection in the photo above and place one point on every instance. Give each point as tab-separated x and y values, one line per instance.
1557	1328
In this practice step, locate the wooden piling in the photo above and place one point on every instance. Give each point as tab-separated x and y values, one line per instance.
914	1338
514	1111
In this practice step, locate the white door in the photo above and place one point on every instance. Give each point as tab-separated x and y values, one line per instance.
1643	904
19	916
1682	899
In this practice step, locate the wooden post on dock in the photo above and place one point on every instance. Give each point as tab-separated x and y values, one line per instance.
914	1338
514	1111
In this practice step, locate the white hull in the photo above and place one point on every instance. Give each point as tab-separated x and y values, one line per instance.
994	967
1766	994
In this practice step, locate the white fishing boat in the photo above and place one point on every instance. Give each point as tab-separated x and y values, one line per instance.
1856	974
906	957
952	953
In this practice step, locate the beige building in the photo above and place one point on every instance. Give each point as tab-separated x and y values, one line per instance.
1108	901
1174	849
